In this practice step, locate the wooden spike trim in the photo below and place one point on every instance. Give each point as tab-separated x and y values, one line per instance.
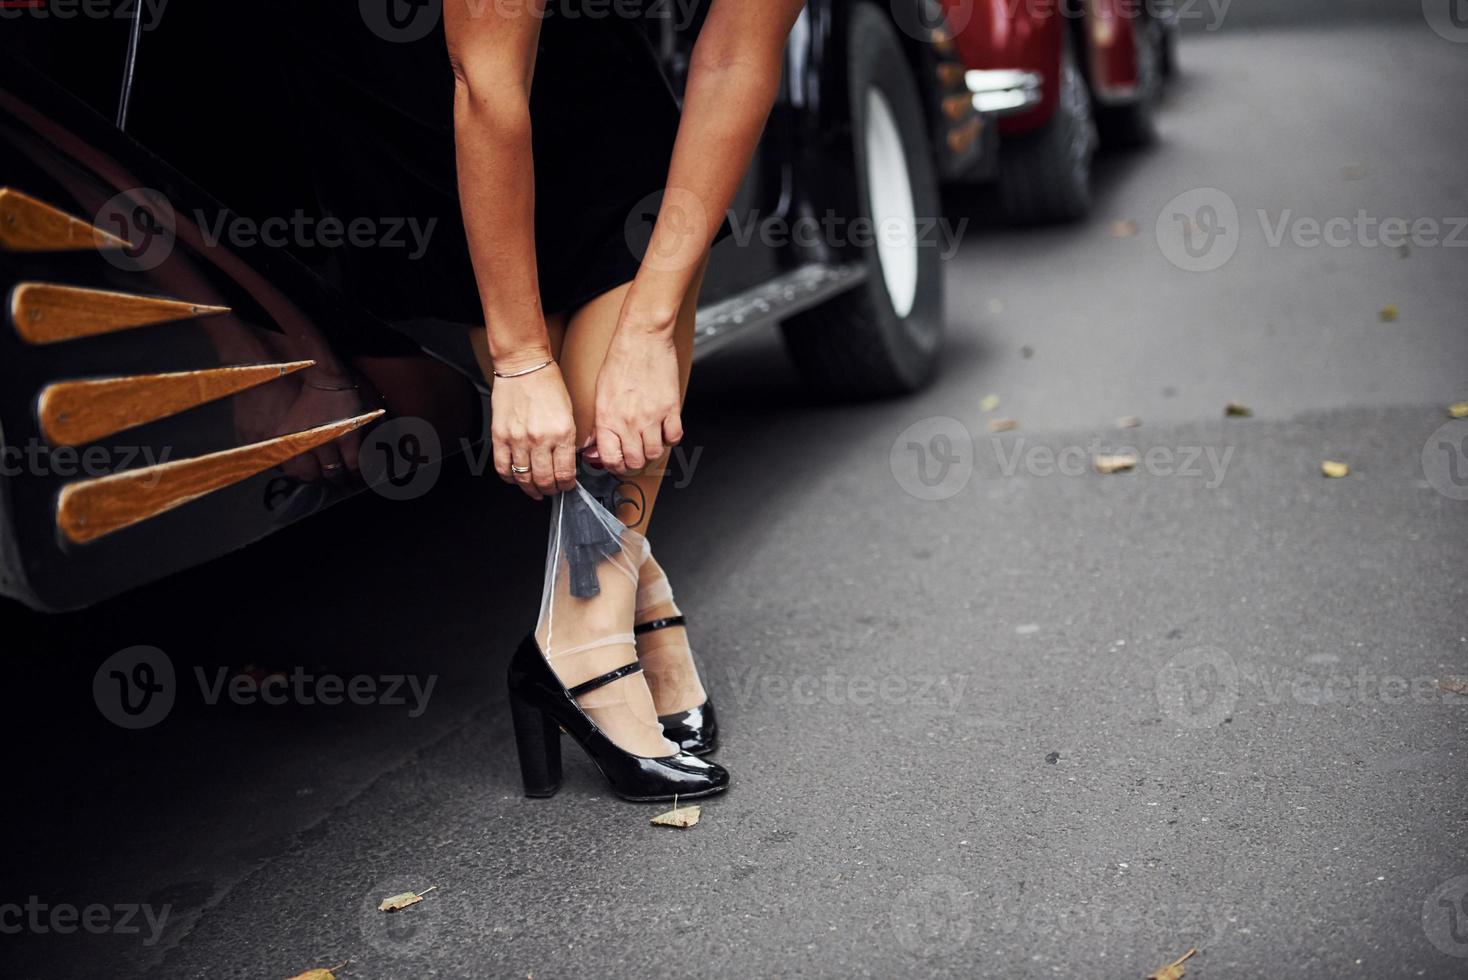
74	412
29	225
88	509
44	312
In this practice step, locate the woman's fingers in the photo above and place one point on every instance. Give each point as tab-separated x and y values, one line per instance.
673	429
633	455
522	467
526	481
563	464
543	470
626	450
502	458
609	449
652	442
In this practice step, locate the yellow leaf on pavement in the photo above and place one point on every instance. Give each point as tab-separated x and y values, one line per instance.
1458	410
1334	470
1174	970
1389	313
320	973
988	403
1114	464
395	903
681	818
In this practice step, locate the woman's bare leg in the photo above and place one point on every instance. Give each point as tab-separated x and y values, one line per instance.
588	631
665	655
582	347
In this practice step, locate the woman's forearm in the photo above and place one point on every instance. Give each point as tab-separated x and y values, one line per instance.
493	56
733	78
497	191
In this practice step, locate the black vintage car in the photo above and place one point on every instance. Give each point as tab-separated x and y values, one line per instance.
230	244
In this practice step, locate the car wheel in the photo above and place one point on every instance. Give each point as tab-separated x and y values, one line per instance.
883	336
1135	124
1046	175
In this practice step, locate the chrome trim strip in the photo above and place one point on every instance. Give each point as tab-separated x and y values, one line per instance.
772	301
1001	91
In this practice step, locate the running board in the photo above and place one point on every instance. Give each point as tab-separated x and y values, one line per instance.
772	301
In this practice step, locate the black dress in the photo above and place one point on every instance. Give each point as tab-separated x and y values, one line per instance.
604	119
333	120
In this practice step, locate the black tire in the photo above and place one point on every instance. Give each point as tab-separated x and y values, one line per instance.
1135	124
858	345
1045	176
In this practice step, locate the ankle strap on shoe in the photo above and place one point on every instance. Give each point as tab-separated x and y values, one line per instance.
598	682
658	624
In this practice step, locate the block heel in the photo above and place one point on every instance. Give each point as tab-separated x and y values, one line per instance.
538	739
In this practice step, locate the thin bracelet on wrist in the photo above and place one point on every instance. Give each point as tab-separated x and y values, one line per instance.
529	370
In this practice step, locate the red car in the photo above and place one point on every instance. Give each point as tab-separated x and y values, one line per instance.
1062	76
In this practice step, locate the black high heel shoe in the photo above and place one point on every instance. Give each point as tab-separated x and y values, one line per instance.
695	731
542	706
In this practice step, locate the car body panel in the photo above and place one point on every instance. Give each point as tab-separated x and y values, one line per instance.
1003	35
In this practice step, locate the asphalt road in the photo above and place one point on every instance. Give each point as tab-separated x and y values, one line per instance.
1050	723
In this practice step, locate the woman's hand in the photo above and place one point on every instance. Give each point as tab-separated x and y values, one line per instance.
638	397
532	426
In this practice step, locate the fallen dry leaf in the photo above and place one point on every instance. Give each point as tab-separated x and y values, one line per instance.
1174	970
395	903
320	973
1114	464
1128	422
1389	313
1452	685
988	403
681	818
1334	470
1234	410
1458	410
1353	172
1002	425
1123	228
